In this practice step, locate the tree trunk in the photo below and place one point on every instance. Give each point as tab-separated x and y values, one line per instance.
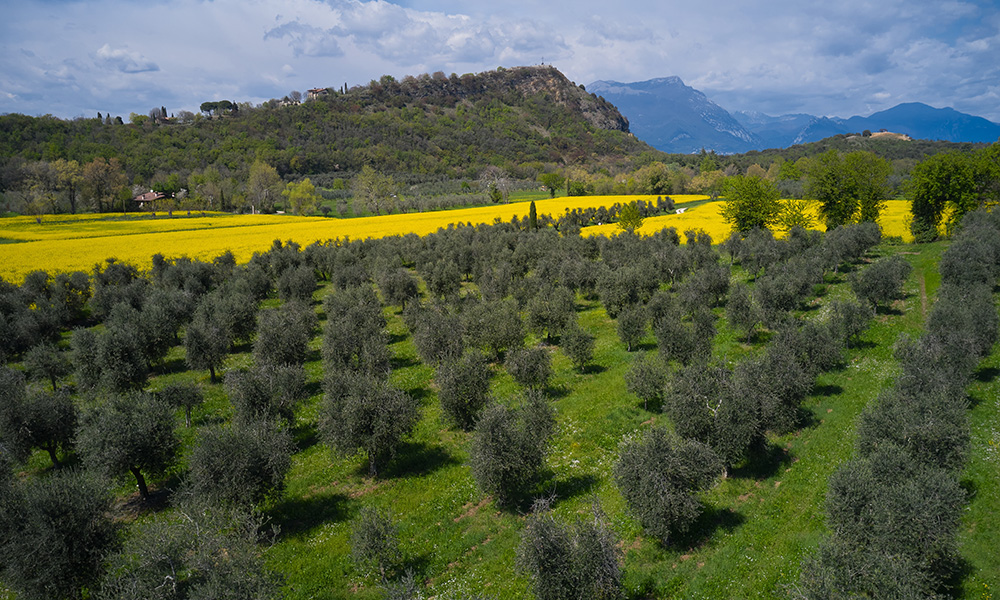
141	482
187	416
211	371
371	465
52	454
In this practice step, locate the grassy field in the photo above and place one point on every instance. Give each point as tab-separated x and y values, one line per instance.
78	242
760	521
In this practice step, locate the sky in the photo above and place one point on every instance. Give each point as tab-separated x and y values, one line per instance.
73	58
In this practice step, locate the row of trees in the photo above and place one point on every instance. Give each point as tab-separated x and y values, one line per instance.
894	509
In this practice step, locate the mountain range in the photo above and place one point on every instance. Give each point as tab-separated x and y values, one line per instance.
674	117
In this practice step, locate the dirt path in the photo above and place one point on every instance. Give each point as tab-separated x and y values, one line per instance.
923	297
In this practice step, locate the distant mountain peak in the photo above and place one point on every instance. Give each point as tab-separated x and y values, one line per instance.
674	117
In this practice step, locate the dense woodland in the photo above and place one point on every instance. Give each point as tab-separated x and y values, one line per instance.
92	395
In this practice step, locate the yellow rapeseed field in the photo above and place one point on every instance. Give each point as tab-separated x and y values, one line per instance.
78	242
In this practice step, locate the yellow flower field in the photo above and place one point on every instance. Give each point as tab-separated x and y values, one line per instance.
894	221
78	242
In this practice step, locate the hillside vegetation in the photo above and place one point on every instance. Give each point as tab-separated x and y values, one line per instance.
431	126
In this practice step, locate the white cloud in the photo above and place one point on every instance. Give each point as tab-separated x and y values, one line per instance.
125	60
838	58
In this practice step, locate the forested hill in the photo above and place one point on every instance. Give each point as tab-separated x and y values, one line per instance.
521	119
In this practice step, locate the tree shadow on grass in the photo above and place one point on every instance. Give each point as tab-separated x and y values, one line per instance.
299	516
762	464
312	388
570	487
415	459
403	362
862	345
987	374
710	521
593	369
305	436
171	367
826	390
418	393
395	338
555	392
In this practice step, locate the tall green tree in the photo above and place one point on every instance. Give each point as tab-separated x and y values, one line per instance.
869	175
850	188
629	218
263	186
938	182
374	189
301	196
552	182
751	202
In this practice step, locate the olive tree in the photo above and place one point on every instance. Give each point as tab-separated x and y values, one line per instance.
192	552
132	433
881	282
509	446
240	465
360	412
659	476
267	392
464	388
530	367
54	534
181	395
375	543
579	561
46	362
646	379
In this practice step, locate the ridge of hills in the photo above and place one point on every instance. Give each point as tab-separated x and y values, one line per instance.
429	127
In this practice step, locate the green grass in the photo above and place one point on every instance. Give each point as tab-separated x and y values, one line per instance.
760	521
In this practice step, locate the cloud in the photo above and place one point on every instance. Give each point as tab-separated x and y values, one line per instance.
306	40
838	58
125	60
